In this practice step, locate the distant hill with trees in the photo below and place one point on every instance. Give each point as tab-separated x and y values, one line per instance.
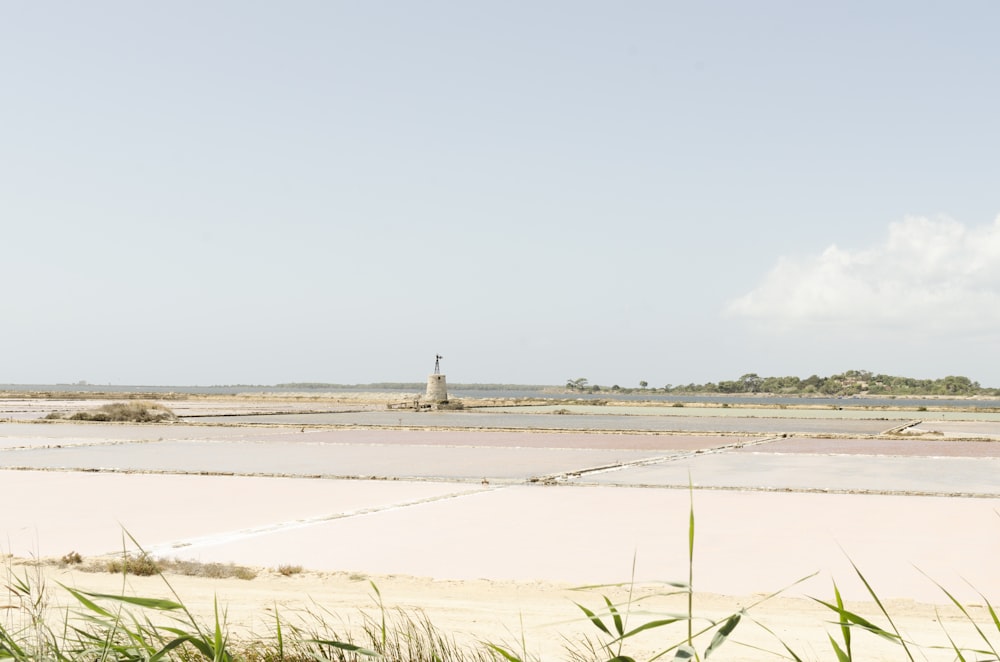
852	382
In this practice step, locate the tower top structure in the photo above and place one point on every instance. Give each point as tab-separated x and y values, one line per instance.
437	386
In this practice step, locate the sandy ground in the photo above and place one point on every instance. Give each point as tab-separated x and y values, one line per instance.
540	614
456	525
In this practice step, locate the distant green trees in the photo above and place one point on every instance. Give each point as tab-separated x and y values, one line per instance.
851	382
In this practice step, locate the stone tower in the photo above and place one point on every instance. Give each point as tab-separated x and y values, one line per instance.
437	387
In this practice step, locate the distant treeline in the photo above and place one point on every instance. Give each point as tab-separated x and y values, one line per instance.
410	386
852	382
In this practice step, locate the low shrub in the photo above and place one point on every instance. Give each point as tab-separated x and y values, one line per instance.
73	558
142	565
145	565
125	412
211	570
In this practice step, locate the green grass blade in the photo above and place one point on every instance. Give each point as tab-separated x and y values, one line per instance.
524	643
954	646
19	585
202	646
87	602
177	631
628	603
381	609
845	630
190	617
775	594
685	653
771	632
149	603
854	620
650	625
218	641
594	619
139	636
968	616
690	641
277	628
993	614
615	617
841	655
885	613
503	652
352	648
682	648
723	633
9	648
171	645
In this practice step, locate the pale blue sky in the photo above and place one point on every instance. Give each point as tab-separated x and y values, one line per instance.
252	192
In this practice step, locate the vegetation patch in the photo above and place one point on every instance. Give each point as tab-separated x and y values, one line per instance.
73	558
141	411
211	570
142	565
849	383
145	565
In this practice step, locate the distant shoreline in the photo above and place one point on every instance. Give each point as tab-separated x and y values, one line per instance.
472	397
549	390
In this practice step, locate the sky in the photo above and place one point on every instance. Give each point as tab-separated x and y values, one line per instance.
245	192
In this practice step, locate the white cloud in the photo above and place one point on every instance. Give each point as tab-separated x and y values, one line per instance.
935	274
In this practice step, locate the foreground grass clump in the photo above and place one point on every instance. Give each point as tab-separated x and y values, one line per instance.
123	412
120	627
